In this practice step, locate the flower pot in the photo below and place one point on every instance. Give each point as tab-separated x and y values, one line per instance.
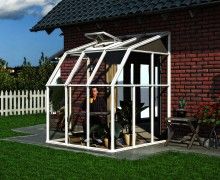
181	113
106	142
127	138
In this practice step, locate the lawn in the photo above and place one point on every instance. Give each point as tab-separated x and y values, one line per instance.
22	161
10	122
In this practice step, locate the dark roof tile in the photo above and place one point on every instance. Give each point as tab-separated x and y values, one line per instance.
69	12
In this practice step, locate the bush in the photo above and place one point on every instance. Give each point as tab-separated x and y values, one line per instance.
29	77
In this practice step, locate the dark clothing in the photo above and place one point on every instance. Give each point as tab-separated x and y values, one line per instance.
98	105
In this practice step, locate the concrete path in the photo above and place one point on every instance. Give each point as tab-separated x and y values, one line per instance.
38	134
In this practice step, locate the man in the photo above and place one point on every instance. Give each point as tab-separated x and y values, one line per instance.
97	122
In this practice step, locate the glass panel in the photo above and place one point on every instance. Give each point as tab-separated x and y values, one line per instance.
108	67
99	117
140	38
159	45
161	70
85	69
123	121
56	114
143	123
77	116
161	129
64	70
157	112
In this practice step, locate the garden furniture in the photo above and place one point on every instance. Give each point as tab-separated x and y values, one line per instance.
189	122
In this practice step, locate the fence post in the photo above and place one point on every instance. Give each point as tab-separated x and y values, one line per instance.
2	105
33	102
19	101
10	103
30	101
6	103
22	102
42	107
26	102
14	103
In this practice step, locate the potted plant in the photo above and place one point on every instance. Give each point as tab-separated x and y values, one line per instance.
124	118
181	112
208	116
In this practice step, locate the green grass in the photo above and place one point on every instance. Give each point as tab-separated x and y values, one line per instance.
10	122
23	161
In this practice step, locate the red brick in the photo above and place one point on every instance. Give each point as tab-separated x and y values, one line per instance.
195	49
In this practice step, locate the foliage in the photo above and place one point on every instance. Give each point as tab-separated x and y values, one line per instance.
182	103
3	63
209	113
45	70
7	81
124	115
29	77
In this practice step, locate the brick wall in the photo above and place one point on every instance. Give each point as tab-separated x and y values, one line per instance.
195	49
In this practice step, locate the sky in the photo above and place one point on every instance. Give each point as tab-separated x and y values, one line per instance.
17	17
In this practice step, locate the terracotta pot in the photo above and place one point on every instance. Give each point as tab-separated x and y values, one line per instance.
106	142
73	140
127	138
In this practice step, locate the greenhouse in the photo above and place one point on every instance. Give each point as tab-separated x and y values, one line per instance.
112	94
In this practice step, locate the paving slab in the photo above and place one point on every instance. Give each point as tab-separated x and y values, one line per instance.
37	136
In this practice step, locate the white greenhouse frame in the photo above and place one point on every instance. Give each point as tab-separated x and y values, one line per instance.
103	43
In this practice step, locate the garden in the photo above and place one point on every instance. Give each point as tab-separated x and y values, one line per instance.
23	161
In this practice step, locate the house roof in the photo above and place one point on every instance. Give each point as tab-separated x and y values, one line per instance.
70	12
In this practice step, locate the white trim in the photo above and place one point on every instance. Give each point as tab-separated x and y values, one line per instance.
56	69
149	40
63	58
104	150
124	60
139	146
169	78
112	118
55	85
47	114
111	47
66	115
81	48
119	85
114	38
96	67
152	99
88	116
133	116
70	107
75	68
149	52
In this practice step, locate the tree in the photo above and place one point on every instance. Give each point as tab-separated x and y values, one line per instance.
28	77
3	63
7	81
45	70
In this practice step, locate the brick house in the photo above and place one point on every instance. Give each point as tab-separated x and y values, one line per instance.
195	38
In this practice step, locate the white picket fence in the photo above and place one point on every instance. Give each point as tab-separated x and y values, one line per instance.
22	102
